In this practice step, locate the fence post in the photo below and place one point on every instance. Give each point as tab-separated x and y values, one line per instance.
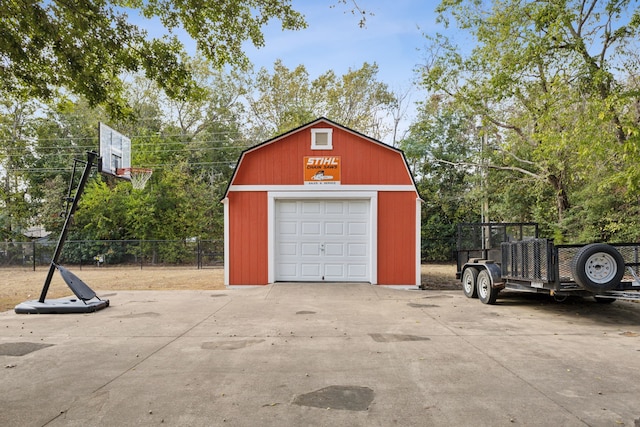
33	250
199	255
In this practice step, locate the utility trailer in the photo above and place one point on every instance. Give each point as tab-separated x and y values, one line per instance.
496	256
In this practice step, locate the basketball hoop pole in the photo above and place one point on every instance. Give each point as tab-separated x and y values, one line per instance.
91	157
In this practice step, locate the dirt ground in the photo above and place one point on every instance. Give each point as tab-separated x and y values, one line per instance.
18	285
440	277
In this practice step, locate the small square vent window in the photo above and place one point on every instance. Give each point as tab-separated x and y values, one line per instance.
321	139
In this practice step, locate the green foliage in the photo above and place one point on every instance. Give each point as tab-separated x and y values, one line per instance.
191	145
357	100
66	67
15	133
51	206
286	99
440	148
85	47
553	84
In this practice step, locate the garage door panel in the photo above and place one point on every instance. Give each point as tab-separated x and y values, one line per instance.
357	271
288	227
310	249
288	270
334	228
310	208
334	272
334	207
357	229
311	229
356	249
285	207
334	249
322	240
358	207
310	271
288	249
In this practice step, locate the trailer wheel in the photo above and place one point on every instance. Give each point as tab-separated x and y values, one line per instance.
486	293
597	267
469	280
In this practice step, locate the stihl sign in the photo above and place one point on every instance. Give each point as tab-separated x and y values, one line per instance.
322	170
323	161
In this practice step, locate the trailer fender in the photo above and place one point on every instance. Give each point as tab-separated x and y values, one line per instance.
495	273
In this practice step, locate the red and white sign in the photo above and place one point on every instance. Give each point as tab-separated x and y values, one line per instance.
322	170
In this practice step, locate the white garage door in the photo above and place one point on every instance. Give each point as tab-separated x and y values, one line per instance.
322	240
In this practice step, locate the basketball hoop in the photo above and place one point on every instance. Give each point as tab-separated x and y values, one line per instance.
137	176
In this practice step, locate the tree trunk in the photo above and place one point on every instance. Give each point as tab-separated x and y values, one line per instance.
562	201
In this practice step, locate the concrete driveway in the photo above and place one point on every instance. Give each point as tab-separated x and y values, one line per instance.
323	355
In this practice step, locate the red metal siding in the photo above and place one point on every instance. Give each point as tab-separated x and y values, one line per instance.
248	242
363	162
396	238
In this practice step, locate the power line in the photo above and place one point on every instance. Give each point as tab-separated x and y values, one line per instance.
153	166
238	135
187	147
75	152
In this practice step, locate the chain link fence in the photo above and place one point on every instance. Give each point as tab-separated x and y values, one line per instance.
196	253
156	253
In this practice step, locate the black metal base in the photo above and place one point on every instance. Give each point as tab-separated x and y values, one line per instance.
85	300
61	306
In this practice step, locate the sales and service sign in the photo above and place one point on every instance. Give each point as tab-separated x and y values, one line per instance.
322	170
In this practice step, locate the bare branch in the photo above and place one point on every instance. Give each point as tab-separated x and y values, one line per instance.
508	168
357	10
513	156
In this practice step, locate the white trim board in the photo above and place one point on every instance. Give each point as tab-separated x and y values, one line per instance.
323	188
227	235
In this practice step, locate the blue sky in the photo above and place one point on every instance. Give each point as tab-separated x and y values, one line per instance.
392	38
334	41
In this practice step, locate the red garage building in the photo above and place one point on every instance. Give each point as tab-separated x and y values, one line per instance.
322	203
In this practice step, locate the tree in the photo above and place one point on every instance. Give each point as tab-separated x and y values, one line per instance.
191	146
282	100
441	147
285	99
201	135
398	111
544	78
85	46
358	101
16	132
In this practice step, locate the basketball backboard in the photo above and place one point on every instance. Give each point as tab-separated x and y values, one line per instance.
115	152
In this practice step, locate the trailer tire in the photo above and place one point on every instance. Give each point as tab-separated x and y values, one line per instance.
469	280
487	294
597	267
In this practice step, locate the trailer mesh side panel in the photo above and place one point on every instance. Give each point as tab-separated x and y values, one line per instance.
529	260
565	255
482	240
630	253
